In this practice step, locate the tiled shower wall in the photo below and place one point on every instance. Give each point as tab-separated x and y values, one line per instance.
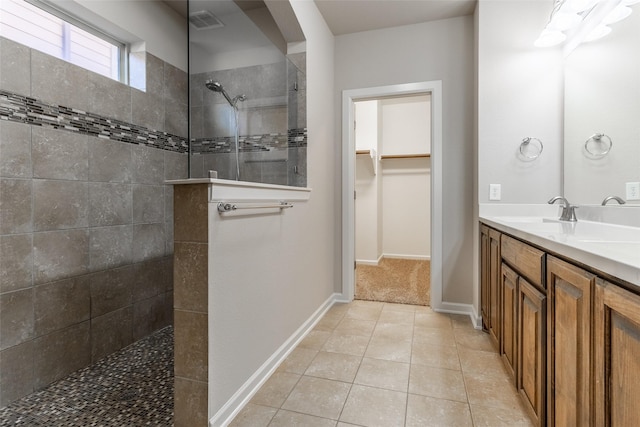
86	227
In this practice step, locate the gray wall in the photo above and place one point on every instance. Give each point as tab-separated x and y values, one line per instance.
86	226
438	50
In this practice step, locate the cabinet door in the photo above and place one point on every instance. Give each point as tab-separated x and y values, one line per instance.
509	319
569	360
531	371
484	275
495	263
617	356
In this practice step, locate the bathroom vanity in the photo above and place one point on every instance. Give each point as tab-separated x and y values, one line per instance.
561	302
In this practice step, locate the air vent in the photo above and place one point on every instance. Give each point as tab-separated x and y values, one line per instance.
204	20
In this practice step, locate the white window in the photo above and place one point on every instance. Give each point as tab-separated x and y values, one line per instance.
51	31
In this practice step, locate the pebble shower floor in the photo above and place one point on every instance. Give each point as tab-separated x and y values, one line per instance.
132	387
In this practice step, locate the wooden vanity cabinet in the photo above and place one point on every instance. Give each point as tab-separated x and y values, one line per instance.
617	356
509	315
484	276
490	263
570	340
569	344
532	333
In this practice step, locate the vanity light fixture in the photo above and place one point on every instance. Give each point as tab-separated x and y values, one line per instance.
574	21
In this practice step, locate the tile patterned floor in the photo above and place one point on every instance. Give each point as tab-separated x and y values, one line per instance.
379	364
133	387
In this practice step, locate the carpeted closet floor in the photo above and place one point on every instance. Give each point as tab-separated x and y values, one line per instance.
403	281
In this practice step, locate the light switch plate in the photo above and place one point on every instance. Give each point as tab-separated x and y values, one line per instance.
633	191
495	191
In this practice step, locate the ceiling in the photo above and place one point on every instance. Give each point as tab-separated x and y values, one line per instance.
353	16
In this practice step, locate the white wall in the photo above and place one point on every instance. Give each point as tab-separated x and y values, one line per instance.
519	95
406	183
276	271
439	50
368	215
162	30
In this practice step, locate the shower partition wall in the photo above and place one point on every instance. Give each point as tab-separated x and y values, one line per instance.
244	58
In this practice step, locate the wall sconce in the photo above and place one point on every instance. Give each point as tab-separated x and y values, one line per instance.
575	21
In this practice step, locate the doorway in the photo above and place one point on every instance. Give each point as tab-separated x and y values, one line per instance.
392	206
350	97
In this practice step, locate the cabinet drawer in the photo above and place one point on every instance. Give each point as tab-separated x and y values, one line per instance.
525	259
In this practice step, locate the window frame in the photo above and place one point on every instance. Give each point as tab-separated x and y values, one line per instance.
123	48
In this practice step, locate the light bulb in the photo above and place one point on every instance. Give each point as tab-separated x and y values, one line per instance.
597	33
563	21
581	5
617	14
550	38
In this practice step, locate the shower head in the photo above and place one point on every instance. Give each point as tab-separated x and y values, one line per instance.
217	87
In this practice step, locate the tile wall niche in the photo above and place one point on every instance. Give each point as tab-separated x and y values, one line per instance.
86	222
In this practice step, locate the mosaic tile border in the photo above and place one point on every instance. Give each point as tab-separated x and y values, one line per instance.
251	143
24	109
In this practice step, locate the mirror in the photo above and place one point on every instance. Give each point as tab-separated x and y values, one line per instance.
602	96
247	103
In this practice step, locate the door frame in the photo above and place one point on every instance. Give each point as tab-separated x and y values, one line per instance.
349	97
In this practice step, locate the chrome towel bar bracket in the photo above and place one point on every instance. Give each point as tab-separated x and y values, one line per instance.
230	207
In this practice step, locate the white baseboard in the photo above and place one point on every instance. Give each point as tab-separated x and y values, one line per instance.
455	308
372	262
401	256
234	405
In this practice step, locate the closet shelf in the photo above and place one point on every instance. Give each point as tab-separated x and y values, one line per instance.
404	156
374	157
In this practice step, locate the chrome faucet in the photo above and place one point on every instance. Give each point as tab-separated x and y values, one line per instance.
616	198
568	211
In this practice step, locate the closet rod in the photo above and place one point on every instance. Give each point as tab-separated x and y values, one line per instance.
404	156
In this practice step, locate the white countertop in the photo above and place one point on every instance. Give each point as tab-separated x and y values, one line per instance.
610	248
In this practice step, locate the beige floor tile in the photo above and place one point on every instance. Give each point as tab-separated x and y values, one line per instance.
319	397
490	389
315	340
423	411
406	308
461	321
350	326
396	317
293	419
298	361
433	336
481	362
436	356
435	382
369	311
383	374
253	416
473	339
487	416
334	366
393	331
276	389
373	407
341	424
328	323
346	344
339	309
389	349
423	309
433	320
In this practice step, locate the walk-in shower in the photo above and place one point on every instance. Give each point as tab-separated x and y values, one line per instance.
233	102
